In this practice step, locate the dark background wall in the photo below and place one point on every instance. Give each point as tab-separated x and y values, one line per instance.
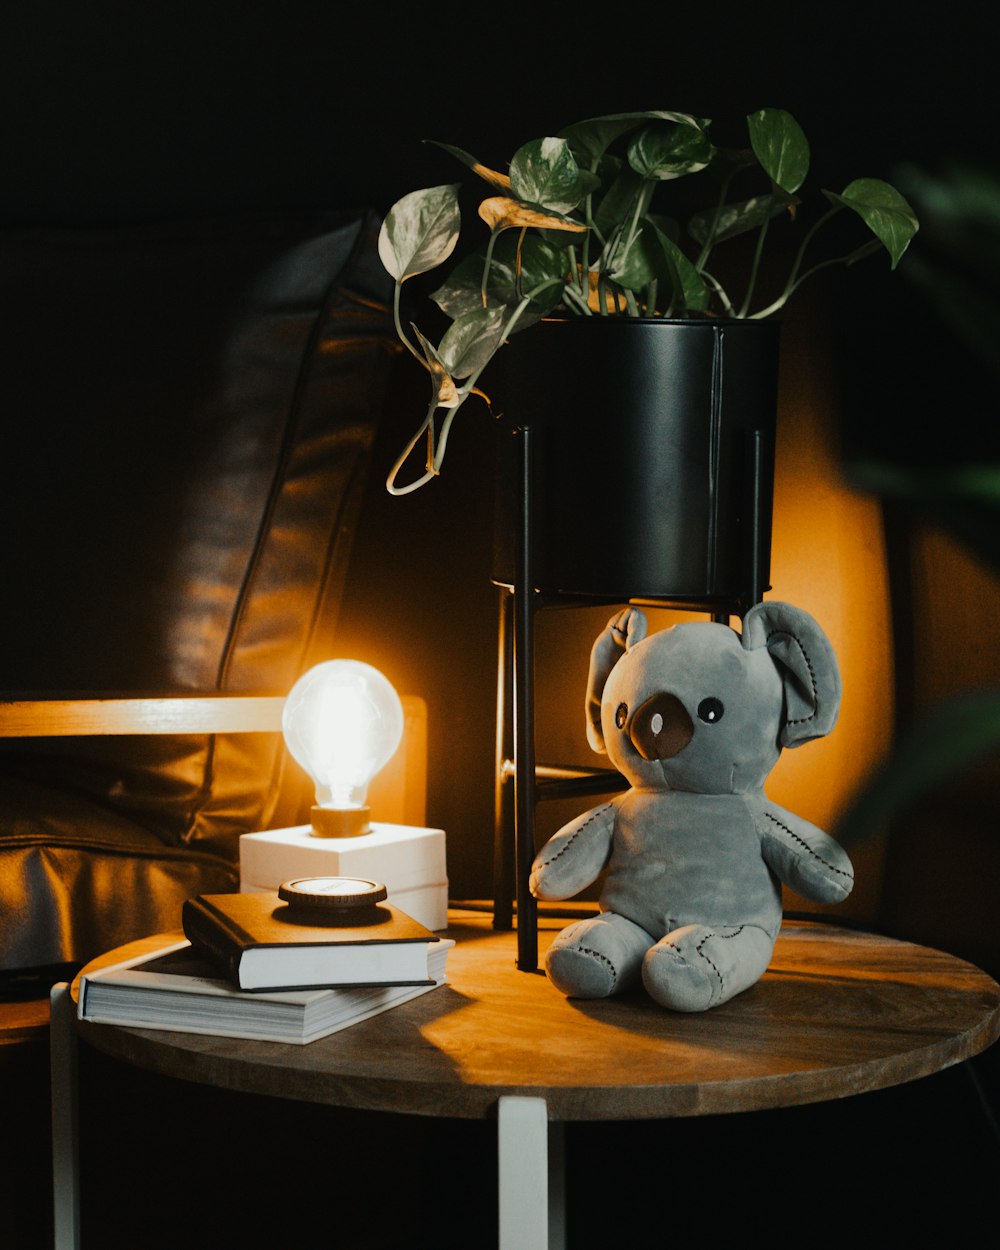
121	112
116	112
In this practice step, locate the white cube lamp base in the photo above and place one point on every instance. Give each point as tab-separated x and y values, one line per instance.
408	859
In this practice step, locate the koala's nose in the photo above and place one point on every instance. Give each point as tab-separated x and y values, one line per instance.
661	728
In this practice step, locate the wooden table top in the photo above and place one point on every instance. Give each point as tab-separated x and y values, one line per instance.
838	1013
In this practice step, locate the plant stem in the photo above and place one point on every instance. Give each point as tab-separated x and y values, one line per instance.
793	278
424	427
574	266
709	243
866	249
517	265
717	287
487	264
469	386
399	326
754	268
572	296
639	207
436	447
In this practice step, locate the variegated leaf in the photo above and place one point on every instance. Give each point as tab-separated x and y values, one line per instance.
780	146
471	340
885	212
420	231
545	172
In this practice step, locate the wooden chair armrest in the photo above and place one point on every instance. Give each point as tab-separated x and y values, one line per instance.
398	793
56	717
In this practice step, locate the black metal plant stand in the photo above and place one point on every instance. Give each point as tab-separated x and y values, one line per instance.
521	783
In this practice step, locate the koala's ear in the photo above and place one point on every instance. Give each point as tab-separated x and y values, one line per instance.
624	630
808	666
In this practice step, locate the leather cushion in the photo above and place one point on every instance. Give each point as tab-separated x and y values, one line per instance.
193	406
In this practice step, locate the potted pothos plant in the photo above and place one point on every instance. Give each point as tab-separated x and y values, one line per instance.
574	227
621	219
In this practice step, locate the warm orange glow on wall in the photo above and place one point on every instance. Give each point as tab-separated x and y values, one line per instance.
828	557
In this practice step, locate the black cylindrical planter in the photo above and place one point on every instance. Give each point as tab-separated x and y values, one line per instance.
653	466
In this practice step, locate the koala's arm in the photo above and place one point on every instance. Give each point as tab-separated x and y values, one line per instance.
803	856
573	857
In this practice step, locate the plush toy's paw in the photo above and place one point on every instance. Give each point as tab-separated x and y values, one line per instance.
597	957
698	967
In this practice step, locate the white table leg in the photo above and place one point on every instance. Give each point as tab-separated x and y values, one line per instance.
531	1176
65	1120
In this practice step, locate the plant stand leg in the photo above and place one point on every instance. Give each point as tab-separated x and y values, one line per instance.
503	812
531	1176
65	1119
524	711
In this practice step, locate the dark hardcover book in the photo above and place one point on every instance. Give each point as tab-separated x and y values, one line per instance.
258	943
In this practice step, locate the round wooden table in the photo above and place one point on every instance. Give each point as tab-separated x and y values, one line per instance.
838	1013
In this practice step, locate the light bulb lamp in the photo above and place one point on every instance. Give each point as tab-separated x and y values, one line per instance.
342	722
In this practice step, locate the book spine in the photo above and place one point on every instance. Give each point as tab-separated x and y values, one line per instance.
202	930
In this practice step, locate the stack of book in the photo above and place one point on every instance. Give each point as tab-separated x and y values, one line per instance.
243	969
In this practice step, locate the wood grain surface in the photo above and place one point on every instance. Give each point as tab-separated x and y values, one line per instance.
47	718
838	1013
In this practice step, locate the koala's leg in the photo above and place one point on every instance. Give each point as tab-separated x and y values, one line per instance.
697	966
596	957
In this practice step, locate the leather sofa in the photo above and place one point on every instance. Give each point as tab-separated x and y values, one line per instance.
190	409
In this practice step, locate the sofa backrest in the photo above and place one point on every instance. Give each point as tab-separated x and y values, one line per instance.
189	412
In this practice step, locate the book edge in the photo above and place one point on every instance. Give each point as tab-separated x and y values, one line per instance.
303	1038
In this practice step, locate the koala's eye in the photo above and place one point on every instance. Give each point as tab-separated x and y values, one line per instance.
621	715
710	710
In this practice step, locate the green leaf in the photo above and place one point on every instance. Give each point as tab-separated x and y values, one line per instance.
691	290
540	262
420	231
669	226
952	736
470	341
671	149
545	172
590	139
618	200
735	219
461	293
654	256
883	210
641	264
780	146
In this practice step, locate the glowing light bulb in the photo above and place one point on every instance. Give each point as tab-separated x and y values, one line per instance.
342	722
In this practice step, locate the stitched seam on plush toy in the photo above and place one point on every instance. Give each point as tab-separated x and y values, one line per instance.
588	950
701	954
710	962
573	836
814	853
783	633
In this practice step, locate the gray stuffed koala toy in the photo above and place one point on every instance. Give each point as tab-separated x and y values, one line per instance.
694	717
